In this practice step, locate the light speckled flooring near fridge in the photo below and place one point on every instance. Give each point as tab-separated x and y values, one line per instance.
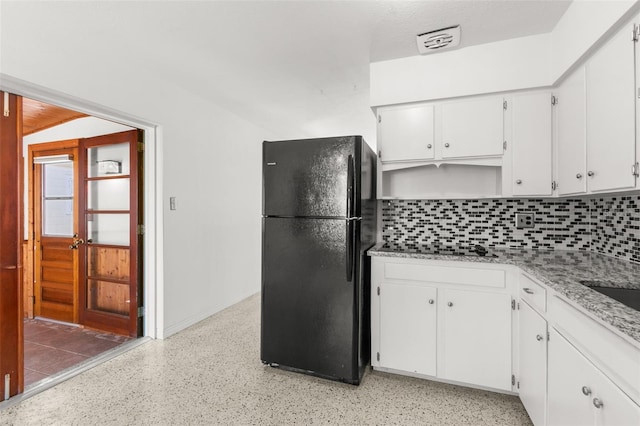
211	374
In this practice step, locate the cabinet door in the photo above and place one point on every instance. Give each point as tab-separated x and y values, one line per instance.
572	141
570	385
472	128
474	338
617	408
533	363
408	328
531	141
611	114
406	134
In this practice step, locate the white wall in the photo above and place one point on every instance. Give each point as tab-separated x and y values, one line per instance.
212	158
521	63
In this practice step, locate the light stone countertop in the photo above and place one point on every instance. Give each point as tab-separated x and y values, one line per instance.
562	271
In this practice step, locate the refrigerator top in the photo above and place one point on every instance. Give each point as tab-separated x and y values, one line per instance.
311	177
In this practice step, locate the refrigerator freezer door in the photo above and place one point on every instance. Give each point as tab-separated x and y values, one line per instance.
309	310
307	177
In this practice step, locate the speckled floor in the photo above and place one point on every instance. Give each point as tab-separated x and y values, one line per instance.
211	374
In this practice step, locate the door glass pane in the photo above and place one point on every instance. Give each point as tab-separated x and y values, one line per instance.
108	297
109	194
57	200
57	218
58	179
108	229
108	160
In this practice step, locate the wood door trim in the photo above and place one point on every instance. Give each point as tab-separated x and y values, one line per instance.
11	332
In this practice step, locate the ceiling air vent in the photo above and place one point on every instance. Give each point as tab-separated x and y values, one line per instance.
435	41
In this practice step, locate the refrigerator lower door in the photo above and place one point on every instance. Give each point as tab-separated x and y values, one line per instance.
310	313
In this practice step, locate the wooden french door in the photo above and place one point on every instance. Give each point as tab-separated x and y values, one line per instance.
11	348
55	189
110	233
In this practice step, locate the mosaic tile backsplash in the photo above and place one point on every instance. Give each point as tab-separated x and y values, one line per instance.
608	225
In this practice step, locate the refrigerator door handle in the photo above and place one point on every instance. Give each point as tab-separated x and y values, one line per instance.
350	167
349	225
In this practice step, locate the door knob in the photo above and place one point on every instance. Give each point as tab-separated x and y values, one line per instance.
431	301
586	390
519	181
446	145
539	337
579	176
429	146
590	173
450	304
76	242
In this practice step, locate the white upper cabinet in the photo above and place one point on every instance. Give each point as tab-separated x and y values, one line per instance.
571	135
453	130
472	128
531	142
610	102
406	134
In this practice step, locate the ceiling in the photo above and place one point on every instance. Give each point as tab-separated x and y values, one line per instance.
296	68
38	116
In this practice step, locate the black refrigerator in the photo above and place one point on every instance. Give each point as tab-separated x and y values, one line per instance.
318	220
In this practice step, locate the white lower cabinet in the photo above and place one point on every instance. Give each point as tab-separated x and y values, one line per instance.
454	325
532	380
579	394
408	328
475	338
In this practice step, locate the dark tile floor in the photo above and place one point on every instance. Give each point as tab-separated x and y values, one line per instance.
51	347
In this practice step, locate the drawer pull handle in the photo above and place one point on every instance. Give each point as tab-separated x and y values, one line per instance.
539	337
586	390
597	403
527	290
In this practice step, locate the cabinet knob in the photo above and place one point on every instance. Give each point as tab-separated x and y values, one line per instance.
579	176
429	146
586	390
450	304
597	403
519	181
539	337
446	145
431	301
590	173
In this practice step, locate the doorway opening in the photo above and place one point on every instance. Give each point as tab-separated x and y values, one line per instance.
83	246
14	255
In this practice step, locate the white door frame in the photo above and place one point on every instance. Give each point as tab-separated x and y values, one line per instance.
153	300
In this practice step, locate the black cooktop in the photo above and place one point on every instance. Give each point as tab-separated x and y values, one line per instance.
440	249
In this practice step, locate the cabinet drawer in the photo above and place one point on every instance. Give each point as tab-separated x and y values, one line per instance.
445	275
617	358
534	293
